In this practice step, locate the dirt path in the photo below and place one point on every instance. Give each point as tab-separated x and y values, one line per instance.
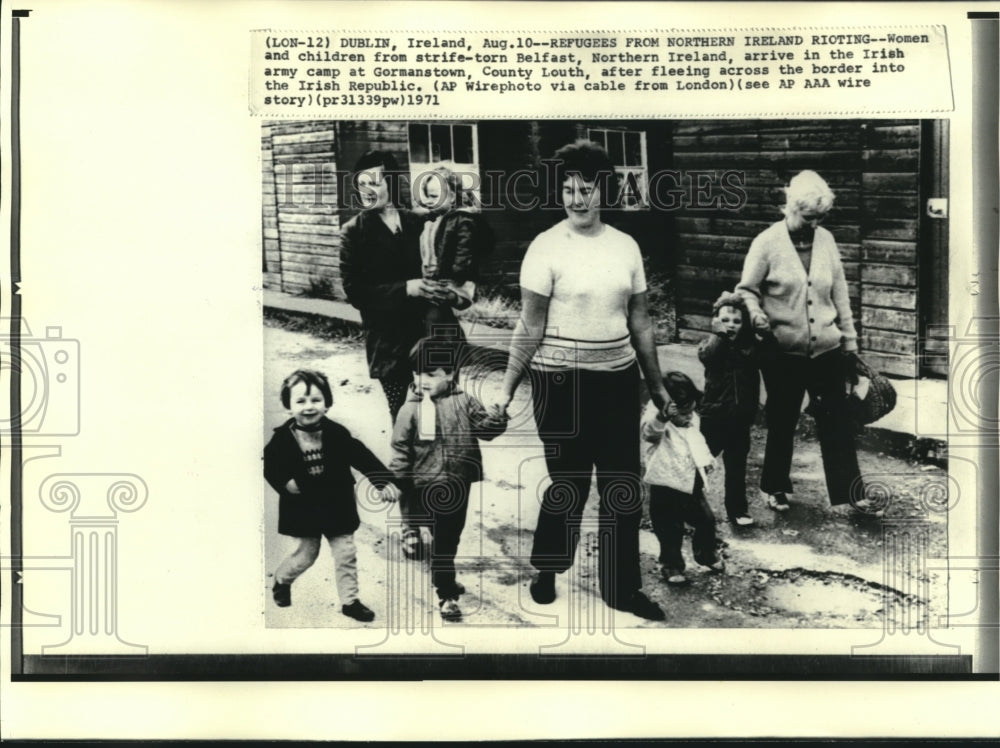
810	567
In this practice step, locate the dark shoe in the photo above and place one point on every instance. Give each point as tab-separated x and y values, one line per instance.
450	610
543	589
642	606
459	589
358	611
282	594
777	501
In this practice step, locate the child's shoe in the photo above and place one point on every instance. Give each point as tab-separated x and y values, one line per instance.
674	577
450	610
282	594
777	501
742	520
426	538
358	611
411	545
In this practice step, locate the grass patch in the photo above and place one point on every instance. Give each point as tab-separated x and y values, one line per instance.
494	309
662	307
320	326
320	287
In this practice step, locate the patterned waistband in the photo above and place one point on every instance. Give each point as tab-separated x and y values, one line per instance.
555	353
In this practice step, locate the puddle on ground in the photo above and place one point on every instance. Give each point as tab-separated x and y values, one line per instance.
812	597
834	597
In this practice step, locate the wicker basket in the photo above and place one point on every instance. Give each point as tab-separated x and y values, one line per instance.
880	399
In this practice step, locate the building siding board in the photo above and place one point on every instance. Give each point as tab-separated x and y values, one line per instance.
872	168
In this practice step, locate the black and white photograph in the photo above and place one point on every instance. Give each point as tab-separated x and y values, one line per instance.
606	297
498	370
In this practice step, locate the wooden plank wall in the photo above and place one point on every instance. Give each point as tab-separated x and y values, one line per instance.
872	168
890	220
507	148
303	164
271	259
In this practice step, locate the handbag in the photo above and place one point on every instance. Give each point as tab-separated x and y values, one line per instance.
878	401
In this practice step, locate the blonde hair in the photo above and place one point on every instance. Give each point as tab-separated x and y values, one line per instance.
446	173
807	190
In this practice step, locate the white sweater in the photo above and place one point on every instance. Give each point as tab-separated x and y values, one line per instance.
674	454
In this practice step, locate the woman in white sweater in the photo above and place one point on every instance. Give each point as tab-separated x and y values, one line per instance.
583	336
794	285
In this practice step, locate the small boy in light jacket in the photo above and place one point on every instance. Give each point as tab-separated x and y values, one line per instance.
436	458
677	463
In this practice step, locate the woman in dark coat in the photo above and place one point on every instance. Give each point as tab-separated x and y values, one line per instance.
381	270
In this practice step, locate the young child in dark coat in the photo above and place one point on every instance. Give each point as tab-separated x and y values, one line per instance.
436	457
732	392
454	241
308	462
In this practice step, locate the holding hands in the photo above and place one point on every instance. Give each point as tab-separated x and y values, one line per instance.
761	326
390	493
498	408
676	416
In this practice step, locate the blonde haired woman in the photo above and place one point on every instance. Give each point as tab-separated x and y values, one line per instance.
794	285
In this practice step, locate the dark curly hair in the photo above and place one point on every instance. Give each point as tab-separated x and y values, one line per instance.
390	170
311	378
589	161
682	389
433	353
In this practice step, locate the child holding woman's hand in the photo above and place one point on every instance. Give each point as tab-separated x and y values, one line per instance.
677	463
308	462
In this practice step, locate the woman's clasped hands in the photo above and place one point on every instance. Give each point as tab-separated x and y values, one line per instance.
437	292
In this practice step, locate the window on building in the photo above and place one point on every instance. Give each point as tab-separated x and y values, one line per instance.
627	149
432	143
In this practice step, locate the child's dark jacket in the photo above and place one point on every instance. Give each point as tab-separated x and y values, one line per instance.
461	241
453	454
326	504
732	380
